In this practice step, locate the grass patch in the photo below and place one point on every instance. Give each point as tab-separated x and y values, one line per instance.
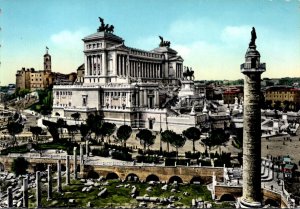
119	197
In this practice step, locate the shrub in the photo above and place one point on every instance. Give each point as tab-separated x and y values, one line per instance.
191	155
117	147
100	152
19	166
147	159
121	156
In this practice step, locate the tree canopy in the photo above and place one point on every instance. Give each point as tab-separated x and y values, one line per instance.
217	137
167	136
52	128
19	166
108	129
36	131
192	134
146	138
123	133
14	128
177	141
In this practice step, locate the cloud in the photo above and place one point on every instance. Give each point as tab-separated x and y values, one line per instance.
236	34
147	43
68	38
187	30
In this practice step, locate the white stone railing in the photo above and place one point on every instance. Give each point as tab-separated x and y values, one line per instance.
57	87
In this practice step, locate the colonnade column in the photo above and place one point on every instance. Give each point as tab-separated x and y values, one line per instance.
145	98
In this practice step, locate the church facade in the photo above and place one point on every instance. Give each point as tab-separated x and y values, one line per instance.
124	84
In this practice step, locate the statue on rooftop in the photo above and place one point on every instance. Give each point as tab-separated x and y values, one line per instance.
164	43
105	27
253	37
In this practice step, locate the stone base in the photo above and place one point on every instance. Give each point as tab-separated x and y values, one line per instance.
242	203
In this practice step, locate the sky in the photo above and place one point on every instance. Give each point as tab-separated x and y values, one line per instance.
212	36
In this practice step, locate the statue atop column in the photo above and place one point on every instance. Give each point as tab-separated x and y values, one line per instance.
105	27
164	43
253	37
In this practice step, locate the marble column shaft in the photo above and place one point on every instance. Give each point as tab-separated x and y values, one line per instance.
75	162
25	192
59	189
38	193
252	140
87	148
9	197
81	153
67	170
49	182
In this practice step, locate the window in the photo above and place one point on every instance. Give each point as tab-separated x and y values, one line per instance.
84	100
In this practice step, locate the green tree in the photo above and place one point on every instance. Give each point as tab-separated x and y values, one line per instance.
178	141
192	134
94	122
61	125
166	137
52	128
84	130
123	134
146	138
14	128
75	116
19	166
238	139
108	129
72	130
36	131
216	138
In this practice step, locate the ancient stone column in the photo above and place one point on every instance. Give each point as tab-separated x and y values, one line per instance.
25	192
49	183
9	197
252	69
38	193
75	162
87	148
59	176
67	170
81	153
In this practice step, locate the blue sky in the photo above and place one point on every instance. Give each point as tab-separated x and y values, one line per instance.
211	35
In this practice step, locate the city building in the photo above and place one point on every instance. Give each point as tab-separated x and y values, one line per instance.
31	79
283	96
229	94
127	85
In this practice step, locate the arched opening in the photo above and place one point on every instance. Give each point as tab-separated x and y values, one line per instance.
152	177
1	167
227	197
112	176
132	177
92	175
196	180
272	203
175	178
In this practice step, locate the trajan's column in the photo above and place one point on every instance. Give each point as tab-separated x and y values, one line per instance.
252	69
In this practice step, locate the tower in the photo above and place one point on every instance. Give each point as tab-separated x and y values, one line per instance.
47	61
252	69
